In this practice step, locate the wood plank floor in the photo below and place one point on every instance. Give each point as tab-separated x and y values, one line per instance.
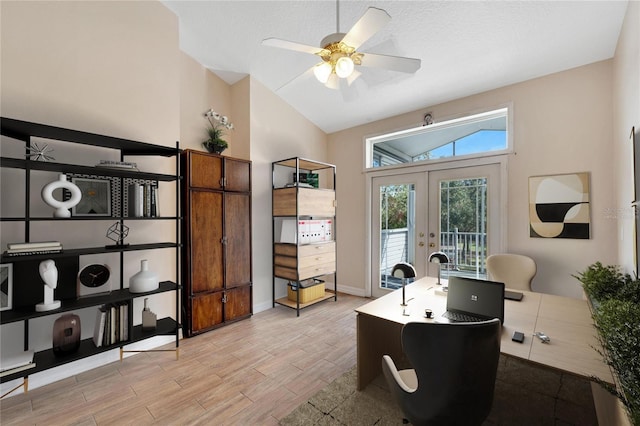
253	372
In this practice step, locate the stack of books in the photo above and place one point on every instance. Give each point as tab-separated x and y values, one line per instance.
25	249
17	362
143	200
126	165
111	324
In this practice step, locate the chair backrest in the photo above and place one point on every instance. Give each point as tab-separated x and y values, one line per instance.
456	366
514	270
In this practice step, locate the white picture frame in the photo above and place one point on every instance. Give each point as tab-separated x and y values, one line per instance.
6	286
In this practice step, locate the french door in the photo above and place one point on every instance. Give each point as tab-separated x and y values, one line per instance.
456	211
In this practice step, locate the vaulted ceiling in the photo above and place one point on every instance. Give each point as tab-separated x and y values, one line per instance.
466	47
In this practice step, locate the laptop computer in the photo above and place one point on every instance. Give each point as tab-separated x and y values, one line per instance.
470	299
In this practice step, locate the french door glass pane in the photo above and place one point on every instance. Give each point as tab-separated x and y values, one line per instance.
397	230
463	226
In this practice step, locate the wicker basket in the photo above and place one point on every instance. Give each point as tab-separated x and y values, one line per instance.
307	293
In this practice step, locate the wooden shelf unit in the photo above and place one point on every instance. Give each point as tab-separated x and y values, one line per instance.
24	131
303	256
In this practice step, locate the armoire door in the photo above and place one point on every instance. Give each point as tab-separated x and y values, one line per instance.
206	266
237	230
206	311
237	302
237	175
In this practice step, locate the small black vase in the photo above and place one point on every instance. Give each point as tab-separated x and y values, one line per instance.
213	147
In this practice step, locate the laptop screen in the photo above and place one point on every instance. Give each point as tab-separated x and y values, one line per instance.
481	298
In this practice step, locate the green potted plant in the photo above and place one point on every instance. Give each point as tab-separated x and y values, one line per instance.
615	299
218	124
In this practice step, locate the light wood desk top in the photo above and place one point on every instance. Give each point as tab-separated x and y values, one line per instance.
566	321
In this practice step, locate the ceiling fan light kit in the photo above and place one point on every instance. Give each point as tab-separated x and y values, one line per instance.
339	55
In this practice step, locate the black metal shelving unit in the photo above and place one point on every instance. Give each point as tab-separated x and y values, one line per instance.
295	202
24	131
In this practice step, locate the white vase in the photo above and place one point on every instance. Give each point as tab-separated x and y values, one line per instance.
62	207
143	281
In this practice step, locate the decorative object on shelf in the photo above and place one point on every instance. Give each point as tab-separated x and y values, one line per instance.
124	165
66	334
439	257
39	152
143	281
94	279
96	197
117	233
116	188
62	207
6	286
149	319
311	179
217	126
49	274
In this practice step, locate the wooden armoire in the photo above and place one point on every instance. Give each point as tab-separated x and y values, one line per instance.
217	275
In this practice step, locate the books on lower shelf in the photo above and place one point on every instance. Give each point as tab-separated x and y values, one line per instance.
24	249
143	200
17	362
111	325
34	245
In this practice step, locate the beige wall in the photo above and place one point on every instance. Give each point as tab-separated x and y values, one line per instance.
562	124
105	67
626	114
277	132
200	89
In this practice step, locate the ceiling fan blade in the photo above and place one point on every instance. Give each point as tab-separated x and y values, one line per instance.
353	77
393	63
370	23
308	73
290	45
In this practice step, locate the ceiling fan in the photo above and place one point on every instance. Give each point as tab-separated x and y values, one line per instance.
339	53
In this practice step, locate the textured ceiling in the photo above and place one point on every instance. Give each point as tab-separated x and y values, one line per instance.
466	47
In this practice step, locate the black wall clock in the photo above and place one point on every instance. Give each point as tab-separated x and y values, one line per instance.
94	279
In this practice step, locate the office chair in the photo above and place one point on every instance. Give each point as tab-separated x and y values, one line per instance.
514	270
454	373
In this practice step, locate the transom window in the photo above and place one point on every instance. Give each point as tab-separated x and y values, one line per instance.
474	135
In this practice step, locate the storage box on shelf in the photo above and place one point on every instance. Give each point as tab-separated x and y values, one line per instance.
27	285
304	245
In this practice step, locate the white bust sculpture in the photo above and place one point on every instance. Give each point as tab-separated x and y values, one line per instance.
49	274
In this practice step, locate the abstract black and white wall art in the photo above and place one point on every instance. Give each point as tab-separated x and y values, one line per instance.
559	206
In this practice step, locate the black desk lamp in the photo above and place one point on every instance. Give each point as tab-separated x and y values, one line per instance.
439	258
403	270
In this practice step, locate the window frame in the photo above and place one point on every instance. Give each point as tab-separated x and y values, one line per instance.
469	117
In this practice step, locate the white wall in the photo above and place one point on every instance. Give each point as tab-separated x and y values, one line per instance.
562	124
626	114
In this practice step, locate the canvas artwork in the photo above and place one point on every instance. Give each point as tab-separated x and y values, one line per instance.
559	206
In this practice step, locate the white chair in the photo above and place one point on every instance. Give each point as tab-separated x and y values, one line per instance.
514	270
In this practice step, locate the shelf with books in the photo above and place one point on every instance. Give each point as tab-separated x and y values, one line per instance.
87	250
27	284
46	359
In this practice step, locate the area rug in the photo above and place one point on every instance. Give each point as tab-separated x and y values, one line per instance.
525	394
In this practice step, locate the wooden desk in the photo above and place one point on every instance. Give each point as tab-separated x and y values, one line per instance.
565	320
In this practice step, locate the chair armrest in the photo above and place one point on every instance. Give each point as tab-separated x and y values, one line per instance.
390	366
